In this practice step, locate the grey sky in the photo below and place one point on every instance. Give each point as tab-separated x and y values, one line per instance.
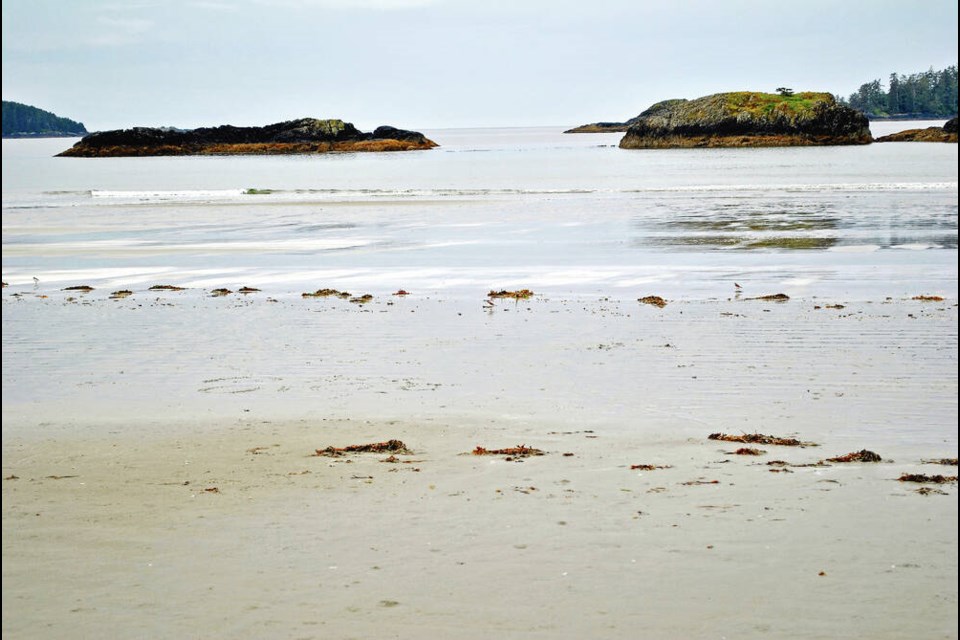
443	63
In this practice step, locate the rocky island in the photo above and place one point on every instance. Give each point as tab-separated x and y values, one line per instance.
748	119
946	133
307	135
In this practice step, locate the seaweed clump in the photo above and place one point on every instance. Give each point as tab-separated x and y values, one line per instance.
773	297
749	451
326	293
857	456
519	294
389	446
656	301
924	478
759	438
519	451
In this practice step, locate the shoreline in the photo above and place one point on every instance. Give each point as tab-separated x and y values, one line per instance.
166	483
597	360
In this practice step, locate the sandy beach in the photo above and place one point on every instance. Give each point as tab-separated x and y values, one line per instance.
160	481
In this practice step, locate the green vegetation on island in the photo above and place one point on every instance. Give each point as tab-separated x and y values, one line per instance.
24	121
748	119
929	94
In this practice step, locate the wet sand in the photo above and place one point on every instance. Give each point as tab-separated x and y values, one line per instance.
160	480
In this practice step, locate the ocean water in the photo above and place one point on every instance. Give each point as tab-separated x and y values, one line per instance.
587	226
492	208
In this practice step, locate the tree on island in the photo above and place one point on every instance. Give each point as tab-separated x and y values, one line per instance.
929	93
786	92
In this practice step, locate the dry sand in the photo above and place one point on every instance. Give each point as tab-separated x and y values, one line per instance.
160	480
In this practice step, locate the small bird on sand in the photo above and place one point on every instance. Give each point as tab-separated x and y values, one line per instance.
737	286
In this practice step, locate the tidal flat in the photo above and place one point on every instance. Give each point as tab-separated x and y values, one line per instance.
161	476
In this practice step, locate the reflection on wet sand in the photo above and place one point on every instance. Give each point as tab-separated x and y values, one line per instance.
807	225
745	225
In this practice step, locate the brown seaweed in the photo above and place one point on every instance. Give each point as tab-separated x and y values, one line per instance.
926	491
928	298
82	288
390	446
784	463
217	293
773	297
326	293
122	293
950	462
922	477
656	301
165	287
519	294
520	451
650	467
759	438
749	451
857	456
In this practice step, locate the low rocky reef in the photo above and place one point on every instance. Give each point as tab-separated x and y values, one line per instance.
946	133
307	135
748	119
604	127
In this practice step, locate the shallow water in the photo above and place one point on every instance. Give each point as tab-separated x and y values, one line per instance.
587	226
491	208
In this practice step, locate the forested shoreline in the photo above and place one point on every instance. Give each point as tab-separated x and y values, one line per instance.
928	94
25	121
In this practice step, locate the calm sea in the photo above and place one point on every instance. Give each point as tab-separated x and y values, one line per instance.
492	208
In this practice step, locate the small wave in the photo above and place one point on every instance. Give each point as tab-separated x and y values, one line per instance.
160	194
840	186
480	192
483	192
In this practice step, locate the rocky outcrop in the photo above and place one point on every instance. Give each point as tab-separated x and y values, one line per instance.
748	119
307	135
603	127
946	133
600	127
608	127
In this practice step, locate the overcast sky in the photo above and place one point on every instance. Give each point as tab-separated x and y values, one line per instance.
445	63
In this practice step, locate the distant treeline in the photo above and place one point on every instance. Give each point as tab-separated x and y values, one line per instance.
21	121
929	93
